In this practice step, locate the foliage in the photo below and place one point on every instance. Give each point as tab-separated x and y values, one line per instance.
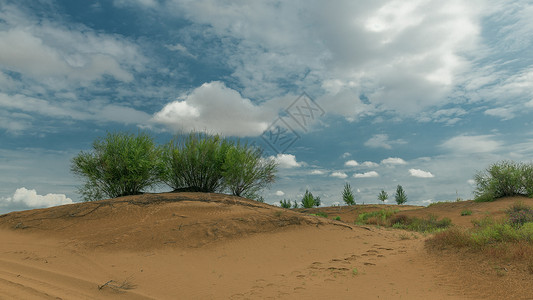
347	194
309	201
194	162
466	212
320	214
400	196
245	172
201	162
378	217
383	196
504	178
338	218
120	164
520	214
285	203
429	224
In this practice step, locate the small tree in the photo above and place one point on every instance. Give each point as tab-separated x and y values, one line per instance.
308	201
400	197
383	196
285	203
120	164
347	194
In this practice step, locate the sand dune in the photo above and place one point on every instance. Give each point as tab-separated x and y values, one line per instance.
211	246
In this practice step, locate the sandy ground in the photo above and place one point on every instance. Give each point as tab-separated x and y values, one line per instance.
209	246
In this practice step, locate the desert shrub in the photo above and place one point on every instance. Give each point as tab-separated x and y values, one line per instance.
504	178
320	214
309	201
400	196
452	238
245	172
400	219
347	195
338	218
378	217
285	203
194	162
200	162
466	212
519	214
120	164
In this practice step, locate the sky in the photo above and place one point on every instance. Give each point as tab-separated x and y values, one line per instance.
422	94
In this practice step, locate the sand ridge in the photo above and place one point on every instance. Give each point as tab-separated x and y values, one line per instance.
212	246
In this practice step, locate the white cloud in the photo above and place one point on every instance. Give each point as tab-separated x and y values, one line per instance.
366	174
420	173
215	108
501	112
348	154
341	175
280	193
351	163
393	161
382	141
31	199
369	164
286	161
317	172
472	144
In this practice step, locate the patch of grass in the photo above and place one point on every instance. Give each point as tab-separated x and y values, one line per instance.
320	214
466	212
354	271
337	218
378	217
429	224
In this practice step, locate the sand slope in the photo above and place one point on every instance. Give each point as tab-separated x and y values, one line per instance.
210	246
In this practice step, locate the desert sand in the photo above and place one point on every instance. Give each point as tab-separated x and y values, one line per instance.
212	246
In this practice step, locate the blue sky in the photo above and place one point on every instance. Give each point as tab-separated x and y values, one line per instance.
417	93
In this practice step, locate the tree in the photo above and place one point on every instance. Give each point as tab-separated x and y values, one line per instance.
400	197
308	201
285	203
120	164
383	196
245	172
347	194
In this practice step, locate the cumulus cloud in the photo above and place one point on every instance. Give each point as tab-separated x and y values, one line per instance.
286	161
30	199
472	144
366	174
420	173
351	163
215	108
317	172
369	164
280	193
348	154
341	175
393	161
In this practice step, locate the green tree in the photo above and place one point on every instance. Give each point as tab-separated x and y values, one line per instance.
309	201
383	196
245	172
347	194
400	196
120	164
504	178
285	203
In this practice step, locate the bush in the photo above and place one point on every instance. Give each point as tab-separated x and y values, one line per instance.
400	196
208	163
378	217
347	195
285	203
466	212
309	201
245	172
505	178
520	214
120	164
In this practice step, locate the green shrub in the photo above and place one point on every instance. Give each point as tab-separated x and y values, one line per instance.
466	212
285	203
320	214
504	178
309	201
520	214
383	196
120	164
338	218
347	195
400	196
194	162
245	172
378	217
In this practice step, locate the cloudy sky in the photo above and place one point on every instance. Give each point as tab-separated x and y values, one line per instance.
374	93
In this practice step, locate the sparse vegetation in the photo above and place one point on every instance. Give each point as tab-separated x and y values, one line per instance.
320	214
120	164
400	196
378	217
285	203
382	196
338	218
347	195
504	178
466	212
391	218
309	201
